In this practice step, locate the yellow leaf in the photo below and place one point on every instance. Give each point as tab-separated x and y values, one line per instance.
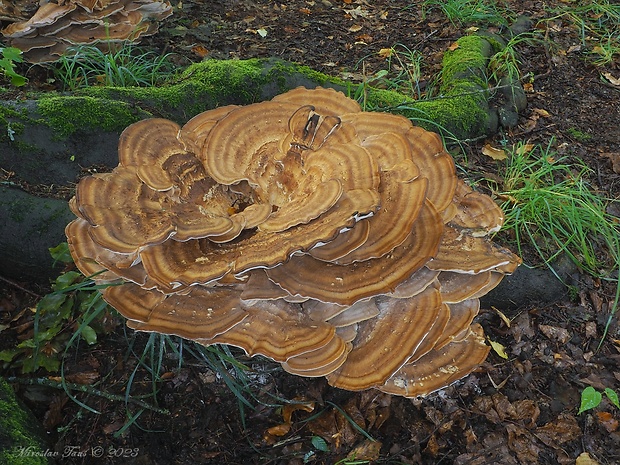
453	47
504	318
585	459
386	52
523	149
499	349
495	154
541	112
355	28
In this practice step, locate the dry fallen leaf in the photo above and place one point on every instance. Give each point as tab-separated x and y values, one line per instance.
503	317
615	160
385	52
608	421
358	12
287	414
555	333
494	153
367	450
200	50
355	28
559	431
453	46
613	80
541	112
524	148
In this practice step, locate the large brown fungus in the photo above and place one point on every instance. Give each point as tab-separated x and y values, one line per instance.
337	242
58	24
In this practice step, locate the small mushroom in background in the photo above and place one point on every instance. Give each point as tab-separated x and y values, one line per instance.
337	242
57	25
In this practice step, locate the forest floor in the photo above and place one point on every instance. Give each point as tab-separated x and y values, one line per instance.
522	409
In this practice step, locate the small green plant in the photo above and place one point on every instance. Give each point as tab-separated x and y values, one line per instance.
591	398
8	57
319	444
578	135
123	65
461	12
69	312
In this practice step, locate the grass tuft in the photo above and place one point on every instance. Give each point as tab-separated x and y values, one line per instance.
598	23
123	65
462	12
550	204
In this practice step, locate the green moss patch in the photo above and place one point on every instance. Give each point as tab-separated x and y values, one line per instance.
67	115
19	443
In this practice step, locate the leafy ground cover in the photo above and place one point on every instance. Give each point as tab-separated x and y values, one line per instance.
545	394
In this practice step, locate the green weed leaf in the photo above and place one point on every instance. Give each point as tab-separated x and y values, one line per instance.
42	361
612	396
10	56
13	54
89	335
61	253
8	354
66	279
51	302
590	398
319	444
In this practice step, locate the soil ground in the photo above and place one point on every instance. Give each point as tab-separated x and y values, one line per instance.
518	410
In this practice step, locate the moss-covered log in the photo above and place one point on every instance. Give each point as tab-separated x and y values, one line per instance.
51	140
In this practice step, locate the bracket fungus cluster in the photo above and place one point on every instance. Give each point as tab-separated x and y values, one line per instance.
337	242
57	25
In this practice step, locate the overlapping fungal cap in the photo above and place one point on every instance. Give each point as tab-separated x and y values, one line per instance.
337	242
56	25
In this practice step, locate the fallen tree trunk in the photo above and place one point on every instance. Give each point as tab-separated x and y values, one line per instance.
31	225
48	143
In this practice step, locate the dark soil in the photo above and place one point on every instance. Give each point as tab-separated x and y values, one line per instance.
519	410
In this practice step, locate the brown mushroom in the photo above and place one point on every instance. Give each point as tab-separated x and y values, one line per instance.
381	346
337	242
56	25
439	368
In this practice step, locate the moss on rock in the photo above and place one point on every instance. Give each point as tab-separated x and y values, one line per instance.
213	83
461	109
68	114
20	442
